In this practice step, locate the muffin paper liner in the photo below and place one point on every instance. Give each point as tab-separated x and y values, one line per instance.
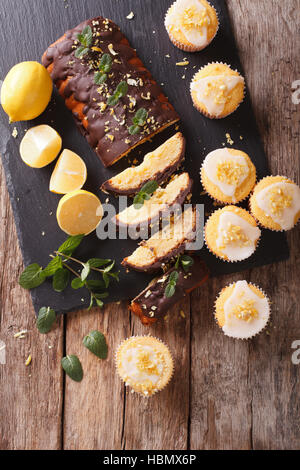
222	202
201	110
171	372
219	257
259	331
184	47
257	220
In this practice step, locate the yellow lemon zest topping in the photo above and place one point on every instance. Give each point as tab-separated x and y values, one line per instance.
144	363
219	89
234	234
280	199
230	172
192	18
245	311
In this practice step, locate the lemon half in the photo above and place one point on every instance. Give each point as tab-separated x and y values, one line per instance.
26	91
79	213
40	146
69	174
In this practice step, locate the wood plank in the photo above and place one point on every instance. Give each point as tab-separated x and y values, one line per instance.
161	422
94	408
247	394
220	393
30	397
273	376
100	413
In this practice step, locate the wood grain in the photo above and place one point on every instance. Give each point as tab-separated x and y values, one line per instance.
247	393
30	397
225	394
94	409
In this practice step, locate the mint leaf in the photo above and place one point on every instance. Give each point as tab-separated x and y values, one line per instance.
95	284
61	280
150	187
99	303
45	320
86	271
77	283
113	100
145	193
32	277
120	91
70	245
88	34
186	262
134	129
86	37
81	52
100	78
105	63
106	279
110	267
91	302
53	266
72	367
98	262
171	286
139	120
140	117
96	343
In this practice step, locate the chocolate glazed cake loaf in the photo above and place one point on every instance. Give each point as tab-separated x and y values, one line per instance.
152	304
94	62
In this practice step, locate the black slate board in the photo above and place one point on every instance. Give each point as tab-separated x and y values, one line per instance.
28	27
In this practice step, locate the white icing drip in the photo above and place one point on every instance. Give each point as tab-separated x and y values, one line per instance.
233	250
196	36
210	166
286	219
130	365
200	87
239	328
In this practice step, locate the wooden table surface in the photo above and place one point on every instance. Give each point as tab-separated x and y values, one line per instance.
225	394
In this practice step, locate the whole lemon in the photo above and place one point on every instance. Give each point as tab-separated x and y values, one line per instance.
26	91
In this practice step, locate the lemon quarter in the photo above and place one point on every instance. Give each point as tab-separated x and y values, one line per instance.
26	91
40	146
69	173
79	213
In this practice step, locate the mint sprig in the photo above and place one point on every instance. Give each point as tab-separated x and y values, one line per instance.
85	38
186	262
171	286
145	194
60	270
104	68
120	91
139	121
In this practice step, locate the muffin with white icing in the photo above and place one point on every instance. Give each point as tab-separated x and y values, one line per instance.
275	203
217	90
231	234
242	310
228	175
145	364
191	24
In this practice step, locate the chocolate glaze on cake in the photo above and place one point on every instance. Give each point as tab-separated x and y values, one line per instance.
151	304
107	128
